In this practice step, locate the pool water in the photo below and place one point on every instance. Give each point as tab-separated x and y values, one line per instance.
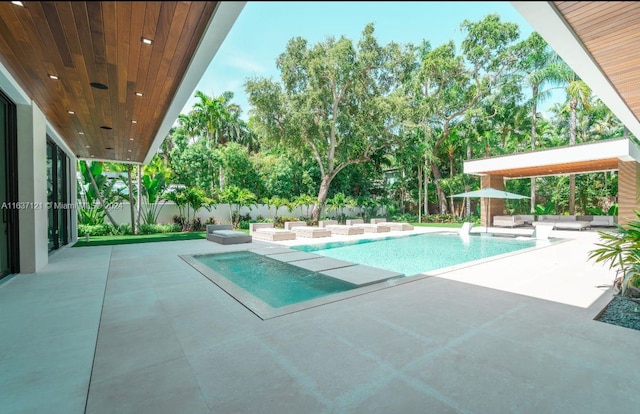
411	255
275	283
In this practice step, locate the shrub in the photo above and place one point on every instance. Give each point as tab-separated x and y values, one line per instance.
96	230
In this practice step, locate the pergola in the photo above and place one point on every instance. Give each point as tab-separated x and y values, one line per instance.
622	155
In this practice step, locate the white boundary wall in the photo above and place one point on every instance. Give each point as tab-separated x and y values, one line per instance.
221	213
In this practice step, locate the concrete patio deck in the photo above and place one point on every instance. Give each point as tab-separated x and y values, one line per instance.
135	329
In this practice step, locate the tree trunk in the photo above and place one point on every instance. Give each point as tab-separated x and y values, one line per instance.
534	121
132	208
419	193
139	204
100	199
322	197
572	194
572	141
425	182
442	198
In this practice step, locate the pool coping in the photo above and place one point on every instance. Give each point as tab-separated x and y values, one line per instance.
264	311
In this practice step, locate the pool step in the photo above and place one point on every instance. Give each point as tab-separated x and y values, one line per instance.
358	275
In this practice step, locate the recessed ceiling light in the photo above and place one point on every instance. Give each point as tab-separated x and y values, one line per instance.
134	122
18	3
98	85
92	156
54	77
146	41
87	146
128	159
130	139
80	133
139	94
70	112
128	150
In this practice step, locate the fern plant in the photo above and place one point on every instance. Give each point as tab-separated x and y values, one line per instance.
620	248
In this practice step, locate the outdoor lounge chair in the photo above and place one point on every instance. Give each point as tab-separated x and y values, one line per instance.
301	229
342	229
395	226
369	227
603	221
265	231
224	234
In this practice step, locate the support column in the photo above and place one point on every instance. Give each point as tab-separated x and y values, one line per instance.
490	207
32	188
628	191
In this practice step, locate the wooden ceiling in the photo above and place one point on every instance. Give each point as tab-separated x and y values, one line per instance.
610	32
101	42
558	169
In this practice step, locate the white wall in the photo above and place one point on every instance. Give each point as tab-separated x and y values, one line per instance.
220	213
32	188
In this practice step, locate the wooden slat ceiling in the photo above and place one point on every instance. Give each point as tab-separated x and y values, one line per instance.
558	169
101	42
610	32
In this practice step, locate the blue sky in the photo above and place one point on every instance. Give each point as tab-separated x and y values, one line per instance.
263	29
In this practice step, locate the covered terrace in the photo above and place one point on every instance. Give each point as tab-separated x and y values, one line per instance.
622	155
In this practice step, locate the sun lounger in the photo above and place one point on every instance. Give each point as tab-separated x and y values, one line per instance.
224	234
369	227
265	231
395	226
301	229
342	229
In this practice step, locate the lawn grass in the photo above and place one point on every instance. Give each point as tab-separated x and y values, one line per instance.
139	238
142	238
453	225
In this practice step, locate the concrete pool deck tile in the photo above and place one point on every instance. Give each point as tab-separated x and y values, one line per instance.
401	395
168	388
321	263
361	275
459	340
253	378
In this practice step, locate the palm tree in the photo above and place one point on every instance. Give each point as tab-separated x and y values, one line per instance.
578	93
540	63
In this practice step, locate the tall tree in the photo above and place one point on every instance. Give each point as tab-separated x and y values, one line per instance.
448	86
334	103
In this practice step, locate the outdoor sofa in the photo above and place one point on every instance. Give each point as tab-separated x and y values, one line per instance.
266	231
562	222
508	221
224	234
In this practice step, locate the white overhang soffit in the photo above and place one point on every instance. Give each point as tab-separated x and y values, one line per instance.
622	149
546	20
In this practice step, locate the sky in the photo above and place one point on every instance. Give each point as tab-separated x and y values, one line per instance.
262	30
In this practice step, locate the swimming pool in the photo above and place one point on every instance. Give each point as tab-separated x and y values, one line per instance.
274	282
411	255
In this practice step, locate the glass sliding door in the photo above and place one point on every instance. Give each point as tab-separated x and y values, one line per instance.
57	196
9	257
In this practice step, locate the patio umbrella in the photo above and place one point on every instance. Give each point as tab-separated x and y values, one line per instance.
490	193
